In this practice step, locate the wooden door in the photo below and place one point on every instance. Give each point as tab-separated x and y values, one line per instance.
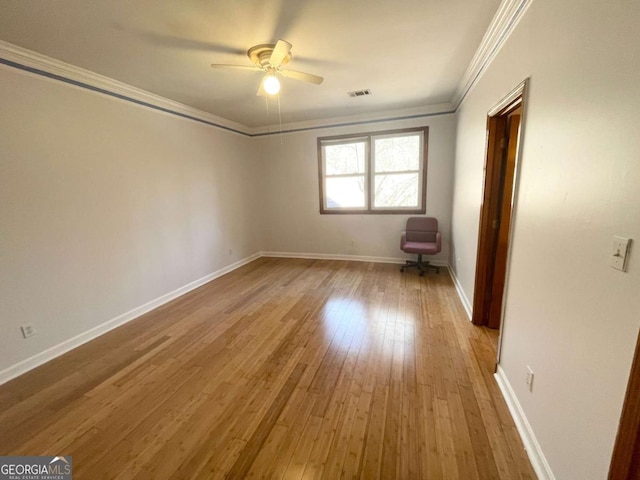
504	221
625	461
503	137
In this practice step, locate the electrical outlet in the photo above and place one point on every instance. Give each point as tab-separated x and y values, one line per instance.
27	330
529	378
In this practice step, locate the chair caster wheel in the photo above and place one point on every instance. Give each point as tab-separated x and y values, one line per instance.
422	274
402	269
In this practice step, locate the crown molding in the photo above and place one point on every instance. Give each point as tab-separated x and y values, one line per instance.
43	65
356	119
504	21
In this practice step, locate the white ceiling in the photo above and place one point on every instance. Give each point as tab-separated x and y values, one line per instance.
410	53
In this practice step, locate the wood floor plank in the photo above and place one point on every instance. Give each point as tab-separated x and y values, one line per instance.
254	444
283	368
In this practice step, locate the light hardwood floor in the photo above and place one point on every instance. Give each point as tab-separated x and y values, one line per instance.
284	368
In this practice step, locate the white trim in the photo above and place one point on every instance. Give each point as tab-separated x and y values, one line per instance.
520	91
531	445
504	21
357	119
463	297
57	350
47	66
508	15
38	359
53	66
351	258
510	99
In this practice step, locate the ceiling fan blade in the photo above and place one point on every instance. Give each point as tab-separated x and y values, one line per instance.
305	77
238	67
280	51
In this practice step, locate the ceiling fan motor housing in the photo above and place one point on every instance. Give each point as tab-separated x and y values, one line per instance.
260	55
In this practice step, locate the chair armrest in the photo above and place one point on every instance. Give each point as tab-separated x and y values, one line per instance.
439	241
403	239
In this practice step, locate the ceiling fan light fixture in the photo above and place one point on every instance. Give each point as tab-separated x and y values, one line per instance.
271	84
269	58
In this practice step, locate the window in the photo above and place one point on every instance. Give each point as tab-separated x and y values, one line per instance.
383	172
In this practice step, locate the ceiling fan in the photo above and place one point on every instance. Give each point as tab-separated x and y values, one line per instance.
269	58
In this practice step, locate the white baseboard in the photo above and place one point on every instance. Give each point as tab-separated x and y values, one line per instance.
352	258
536	456
463	297
57	350
531	445
74	342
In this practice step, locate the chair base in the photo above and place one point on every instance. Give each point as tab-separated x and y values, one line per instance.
420	265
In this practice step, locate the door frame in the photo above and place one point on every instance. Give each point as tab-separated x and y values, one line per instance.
625	460
496	126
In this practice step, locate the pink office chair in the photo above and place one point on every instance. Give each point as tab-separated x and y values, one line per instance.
422	237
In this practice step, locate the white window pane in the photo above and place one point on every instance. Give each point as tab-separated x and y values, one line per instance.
397	153
344	158
396	190
345	192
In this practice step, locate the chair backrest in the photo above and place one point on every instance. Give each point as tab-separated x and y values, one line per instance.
422	229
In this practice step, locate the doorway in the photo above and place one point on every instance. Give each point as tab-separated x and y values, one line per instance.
625	461
504	136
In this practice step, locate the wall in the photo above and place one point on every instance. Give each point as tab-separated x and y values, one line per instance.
108	208
106	205
568	315
293	223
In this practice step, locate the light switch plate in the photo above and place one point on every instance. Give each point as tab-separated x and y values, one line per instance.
529	378
620	253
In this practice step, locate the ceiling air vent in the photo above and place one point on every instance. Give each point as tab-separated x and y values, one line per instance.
359	93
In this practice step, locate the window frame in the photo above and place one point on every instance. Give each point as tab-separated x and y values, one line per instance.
370	173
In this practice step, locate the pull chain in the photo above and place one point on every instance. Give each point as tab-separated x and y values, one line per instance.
280	120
